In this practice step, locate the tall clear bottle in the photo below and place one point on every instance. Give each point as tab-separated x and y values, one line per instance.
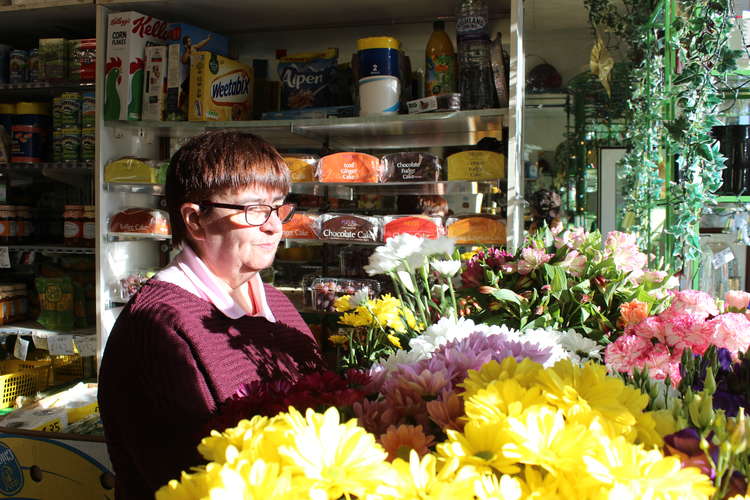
474	64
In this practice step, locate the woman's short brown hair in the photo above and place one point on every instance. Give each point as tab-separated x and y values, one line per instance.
217	162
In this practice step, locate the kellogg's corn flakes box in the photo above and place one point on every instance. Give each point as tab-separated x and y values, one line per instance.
221	89
128	33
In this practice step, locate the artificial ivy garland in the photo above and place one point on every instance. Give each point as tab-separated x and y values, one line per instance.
680	58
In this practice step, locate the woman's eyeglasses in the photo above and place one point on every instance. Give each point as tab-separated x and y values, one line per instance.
257	215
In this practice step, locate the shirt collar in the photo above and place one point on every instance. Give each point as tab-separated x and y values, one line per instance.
188	271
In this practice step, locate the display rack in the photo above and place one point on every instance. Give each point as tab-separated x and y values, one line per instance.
52	249
347	191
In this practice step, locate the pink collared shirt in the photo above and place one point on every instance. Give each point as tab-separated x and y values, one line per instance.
190	273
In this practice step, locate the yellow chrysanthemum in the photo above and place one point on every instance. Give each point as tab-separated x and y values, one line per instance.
524	373
428	479
359	317
466	256
329	459
242	479
579	391
632	472
343	303
394	340
489	487
500	399
539	485
338	339
214	447
542	437
479	445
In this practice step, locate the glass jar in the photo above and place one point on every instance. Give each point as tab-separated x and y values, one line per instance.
21	301
5	224
89	226
24	216
72	225
8	303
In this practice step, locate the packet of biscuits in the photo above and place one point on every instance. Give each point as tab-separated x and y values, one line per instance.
307	79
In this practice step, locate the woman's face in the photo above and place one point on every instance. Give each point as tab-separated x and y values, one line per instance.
233	250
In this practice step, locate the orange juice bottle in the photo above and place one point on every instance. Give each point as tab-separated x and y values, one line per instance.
440	62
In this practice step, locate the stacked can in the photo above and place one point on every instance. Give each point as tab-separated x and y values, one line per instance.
57	134
88	115
18	66
70	117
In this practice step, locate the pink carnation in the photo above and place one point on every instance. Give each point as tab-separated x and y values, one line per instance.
626	352
692	302
650	328
729	330
737	299
682	331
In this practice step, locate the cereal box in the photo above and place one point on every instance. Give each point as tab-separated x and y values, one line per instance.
128	34
221	89
155	83
184	42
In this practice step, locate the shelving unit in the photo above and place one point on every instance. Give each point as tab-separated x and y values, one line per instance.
121	187
52	249
347	191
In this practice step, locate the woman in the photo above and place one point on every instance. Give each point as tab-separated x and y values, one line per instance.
545	210
206	324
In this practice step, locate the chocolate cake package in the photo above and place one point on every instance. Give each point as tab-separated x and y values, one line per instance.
410	167
347	227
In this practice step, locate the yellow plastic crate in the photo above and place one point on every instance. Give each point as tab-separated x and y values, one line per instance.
66	369
41	369
12	385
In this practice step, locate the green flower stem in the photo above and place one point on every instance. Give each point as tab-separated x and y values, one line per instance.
454	304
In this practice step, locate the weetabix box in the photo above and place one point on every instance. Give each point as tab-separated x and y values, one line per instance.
221	89
155	83
184	42
128	34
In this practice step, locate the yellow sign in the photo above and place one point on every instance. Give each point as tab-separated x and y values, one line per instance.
54	469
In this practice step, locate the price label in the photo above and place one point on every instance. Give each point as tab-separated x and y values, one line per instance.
86	344
40	341
53	426
61	345
4	258
21	349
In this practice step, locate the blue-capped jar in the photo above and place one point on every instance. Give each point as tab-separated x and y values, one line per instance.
379	75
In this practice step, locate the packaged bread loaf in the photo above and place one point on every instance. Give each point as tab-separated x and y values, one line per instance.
302	167
301	227
479	229
349	167
418	225
140	221
349	227
410	167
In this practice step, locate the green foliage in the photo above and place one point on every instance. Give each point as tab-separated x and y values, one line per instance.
679	59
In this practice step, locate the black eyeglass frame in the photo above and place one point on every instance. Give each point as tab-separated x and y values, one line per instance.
244	208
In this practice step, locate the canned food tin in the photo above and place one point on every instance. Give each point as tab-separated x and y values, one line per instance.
57	113
34	66
57	145
88	143
19	60
71	109
88	109
71	144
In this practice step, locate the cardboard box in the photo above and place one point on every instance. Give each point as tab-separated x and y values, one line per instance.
128	34
184	42
155	83
221	89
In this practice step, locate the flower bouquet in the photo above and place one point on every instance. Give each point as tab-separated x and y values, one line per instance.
562	280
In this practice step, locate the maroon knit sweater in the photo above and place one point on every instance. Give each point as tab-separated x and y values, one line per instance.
170	360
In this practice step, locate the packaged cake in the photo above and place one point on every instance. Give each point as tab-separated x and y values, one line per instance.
140	221
136	171
326	290
410	167
301	227
418	225
476	229
349	227
302	167
476	166
349	167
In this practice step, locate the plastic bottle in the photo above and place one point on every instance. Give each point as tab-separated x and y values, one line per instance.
440	62
474	64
